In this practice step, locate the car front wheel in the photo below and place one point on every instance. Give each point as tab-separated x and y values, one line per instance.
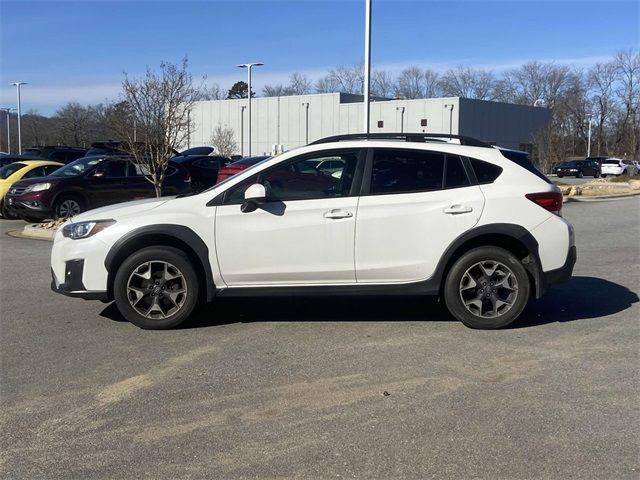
487	288
156	288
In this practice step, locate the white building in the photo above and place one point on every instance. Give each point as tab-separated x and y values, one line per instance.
296	120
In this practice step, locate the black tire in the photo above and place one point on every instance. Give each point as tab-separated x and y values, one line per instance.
6	214
132	306
68	206
596	175
560	175
604	175
457	286
579	175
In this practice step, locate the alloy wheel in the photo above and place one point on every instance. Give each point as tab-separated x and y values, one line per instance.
488	289
156	289
69	208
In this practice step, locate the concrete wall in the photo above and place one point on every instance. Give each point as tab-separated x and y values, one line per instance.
282	120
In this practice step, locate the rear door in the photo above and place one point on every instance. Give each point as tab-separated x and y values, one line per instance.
416	204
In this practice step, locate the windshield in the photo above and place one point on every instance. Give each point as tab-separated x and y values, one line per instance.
77	167
8	170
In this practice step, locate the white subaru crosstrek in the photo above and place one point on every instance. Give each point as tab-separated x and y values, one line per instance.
408	214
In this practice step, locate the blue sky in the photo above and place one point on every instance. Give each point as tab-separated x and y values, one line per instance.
77	51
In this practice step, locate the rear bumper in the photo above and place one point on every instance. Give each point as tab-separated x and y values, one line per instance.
562	274
73	286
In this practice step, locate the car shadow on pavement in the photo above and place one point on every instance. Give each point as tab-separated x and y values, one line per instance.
579	299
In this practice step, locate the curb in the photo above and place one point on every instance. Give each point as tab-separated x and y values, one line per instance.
598	198
34	233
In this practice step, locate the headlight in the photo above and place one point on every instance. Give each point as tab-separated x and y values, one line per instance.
79	230
37	187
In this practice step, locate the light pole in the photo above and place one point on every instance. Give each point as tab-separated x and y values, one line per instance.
589	116
18	85
306	122
449	106
248	66
242	109
188	128
401	110
8	111
367	63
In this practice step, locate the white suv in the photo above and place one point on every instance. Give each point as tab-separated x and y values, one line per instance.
617	166
408	214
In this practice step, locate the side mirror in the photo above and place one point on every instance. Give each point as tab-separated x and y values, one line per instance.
253	196
98	173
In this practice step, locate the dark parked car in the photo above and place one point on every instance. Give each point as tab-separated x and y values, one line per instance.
203	166
56	153
236	167
579	168
87	183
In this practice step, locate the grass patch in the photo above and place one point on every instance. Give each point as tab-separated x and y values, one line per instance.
623	178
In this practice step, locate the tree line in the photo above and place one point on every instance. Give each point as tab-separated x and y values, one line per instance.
606	94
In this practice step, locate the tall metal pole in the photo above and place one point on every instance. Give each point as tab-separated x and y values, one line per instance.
18	85
248	66
8	110
367	64
306	122
242	108
589	115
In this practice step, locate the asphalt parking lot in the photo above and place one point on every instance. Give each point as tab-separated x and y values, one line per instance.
296	387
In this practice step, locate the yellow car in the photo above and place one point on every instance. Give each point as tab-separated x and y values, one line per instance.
23	169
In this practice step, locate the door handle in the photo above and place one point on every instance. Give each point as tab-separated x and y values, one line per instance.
337	213
456	209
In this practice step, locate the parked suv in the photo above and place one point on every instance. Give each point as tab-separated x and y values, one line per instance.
202	165
406	215
87	183
56	153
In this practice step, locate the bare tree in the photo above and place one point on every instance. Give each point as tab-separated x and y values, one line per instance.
627	64
299	84
601	79
274	91
382	84
212	92
72	122
326	84
432	84
465	82
222	139
158	104
411	83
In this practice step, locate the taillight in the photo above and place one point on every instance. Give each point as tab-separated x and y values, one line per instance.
551	201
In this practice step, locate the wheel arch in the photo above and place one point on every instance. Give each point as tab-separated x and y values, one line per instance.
177	236
513	238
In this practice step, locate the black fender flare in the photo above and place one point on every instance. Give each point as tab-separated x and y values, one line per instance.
183	237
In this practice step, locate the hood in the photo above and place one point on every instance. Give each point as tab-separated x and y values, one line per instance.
47	179
121	209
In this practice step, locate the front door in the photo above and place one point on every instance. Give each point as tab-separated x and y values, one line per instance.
417	204
303	234
106	184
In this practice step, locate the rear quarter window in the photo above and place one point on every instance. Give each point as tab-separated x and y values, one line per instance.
524	162
485	172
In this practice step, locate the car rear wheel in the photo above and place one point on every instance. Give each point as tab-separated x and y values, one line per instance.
487	288
560	175
596	175
156	288
67	207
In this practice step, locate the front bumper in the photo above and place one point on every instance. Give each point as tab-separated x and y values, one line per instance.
28	209
73	286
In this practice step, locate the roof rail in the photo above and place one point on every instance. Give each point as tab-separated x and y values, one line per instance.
406	137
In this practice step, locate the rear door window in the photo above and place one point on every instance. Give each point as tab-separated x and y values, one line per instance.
455	174
406	171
